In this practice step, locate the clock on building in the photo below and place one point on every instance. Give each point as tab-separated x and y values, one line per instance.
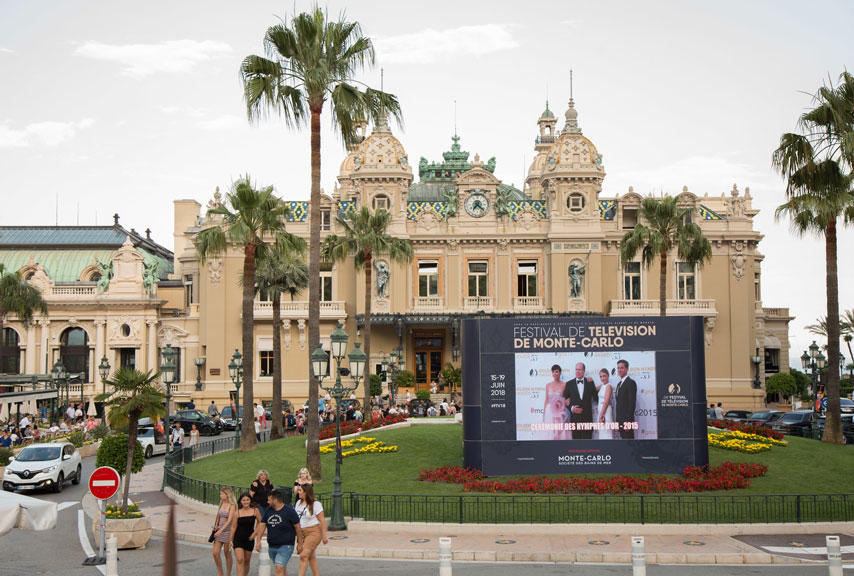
477	204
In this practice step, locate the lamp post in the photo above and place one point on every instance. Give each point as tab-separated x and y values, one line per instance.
104	371
235	370
757	360
59	376
814	361
168	371
199	362
319	363
393	366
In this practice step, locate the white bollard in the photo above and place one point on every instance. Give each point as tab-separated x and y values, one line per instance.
834	556
638	557
112	556
264	563
445	557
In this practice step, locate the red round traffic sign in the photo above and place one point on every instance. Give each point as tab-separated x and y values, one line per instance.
104	482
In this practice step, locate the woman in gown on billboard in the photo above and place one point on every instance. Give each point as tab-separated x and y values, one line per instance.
606	406
554	413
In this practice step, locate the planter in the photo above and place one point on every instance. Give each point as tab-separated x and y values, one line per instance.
88	451
131	533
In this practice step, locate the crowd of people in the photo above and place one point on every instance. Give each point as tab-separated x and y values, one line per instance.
35	428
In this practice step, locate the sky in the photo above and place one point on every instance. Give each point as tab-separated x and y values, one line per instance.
115	107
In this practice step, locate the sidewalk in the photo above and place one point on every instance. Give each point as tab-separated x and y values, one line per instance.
665	544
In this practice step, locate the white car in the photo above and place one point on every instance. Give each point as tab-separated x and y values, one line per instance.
153	442
47	465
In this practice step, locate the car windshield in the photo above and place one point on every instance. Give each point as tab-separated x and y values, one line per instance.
793	417
145	432
39	453
761	415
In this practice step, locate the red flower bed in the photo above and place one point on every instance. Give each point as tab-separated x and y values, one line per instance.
757	429
726	476
353	426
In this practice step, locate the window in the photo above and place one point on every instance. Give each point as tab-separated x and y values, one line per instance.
127	357
10	355
428	278
325	282
266	362
632	281
478	278
630	218
326	219
188	291
74	351
527	279
265	295
757	288
686	281
772	361
381	202
575	202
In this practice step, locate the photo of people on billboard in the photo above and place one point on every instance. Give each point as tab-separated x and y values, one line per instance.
586	396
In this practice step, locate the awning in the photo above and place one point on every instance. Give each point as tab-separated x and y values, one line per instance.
25	513
772	342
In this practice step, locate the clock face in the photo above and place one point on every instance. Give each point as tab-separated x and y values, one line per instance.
477	204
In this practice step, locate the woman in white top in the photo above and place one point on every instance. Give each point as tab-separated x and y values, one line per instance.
606	405
313	527
194	436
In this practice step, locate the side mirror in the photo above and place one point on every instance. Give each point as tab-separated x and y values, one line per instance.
11	458
66	457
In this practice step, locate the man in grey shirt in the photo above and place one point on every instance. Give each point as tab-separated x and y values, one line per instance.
212	409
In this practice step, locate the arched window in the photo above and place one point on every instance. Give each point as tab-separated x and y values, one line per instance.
10	354
381	202
74	351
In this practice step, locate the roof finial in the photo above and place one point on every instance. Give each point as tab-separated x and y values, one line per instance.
570	84
455	117
382	79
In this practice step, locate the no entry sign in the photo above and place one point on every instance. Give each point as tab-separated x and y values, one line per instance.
104	482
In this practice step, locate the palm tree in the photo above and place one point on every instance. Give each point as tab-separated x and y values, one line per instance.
817	166
365	238
281	268
254	213
133	396
664	226
311	61
19	298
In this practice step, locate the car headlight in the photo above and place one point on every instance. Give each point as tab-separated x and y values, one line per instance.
50	468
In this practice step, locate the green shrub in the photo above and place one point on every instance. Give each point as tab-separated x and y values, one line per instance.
5	454
77	438
453	376
405	379
113	452
100	431
781	383
423	394
376	384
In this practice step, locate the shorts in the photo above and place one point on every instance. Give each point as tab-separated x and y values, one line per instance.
280	555
310	540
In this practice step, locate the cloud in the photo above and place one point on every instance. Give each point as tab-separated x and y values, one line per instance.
169	109
225	122
430	45
571	22
41	133
171	57
8	51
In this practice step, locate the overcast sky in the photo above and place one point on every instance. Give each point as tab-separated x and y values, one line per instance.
122	107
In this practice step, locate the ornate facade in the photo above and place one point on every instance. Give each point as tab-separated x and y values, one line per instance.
481	247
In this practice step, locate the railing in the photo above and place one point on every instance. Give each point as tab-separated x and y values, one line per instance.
299	309
478	302
428	302
776	312
73	291
704	307
211	447
528	303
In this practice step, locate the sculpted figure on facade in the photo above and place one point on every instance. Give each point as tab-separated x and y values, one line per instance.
383	273
452	201
502	203
149	276
106	272
576	277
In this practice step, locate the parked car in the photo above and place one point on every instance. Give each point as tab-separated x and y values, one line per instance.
846	406
206	425
765	418
737	415
153	441
227	418
796	423
847	428
45	465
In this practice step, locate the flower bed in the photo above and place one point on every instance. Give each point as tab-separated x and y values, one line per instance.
115	512
371	446
726	476
354	426
756	429
743	442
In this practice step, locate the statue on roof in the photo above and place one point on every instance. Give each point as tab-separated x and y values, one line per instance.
106	272
452	201
149	275
502	202
490	165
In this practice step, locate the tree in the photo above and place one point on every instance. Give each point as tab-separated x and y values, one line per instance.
113	452
453	376
19	298
254	214
781	383
817	164
366	237
663	226
133	396
281	268
311	61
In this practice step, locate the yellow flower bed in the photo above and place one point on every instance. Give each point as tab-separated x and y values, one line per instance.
742	442
371	446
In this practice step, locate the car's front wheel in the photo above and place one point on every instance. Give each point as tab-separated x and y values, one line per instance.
60	481
78	475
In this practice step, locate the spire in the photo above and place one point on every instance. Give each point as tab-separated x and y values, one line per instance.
571	125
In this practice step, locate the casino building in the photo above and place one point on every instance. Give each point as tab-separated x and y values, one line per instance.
482	247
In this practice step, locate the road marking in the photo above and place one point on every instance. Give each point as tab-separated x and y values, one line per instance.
84	540
820	550
64	505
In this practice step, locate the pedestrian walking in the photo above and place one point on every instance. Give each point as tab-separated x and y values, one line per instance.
313	529
282	525
194	436
260	490
221	535
245	532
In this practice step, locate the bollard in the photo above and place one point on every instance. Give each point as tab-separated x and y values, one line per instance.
638	557
264	564
834	556
112	556
444	557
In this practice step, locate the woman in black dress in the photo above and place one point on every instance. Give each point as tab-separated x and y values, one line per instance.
260	490
244	534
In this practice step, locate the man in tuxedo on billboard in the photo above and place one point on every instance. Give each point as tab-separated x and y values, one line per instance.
579	394
627	398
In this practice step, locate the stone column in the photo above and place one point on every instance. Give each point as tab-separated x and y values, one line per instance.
152	344
30	355
100	325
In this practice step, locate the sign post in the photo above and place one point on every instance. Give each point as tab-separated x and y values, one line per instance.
103	484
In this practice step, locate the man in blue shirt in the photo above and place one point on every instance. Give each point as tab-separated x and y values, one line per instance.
5	441
281	523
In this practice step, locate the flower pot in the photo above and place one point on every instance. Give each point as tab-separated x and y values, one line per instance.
131	532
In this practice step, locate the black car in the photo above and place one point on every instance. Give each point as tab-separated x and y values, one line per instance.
227	418
847	428
206	425
797	423
737	415
766	418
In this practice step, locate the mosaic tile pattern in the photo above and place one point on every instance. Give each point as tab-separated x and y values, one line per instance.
707	214
517	206
607	209
298	211
346	207
414	209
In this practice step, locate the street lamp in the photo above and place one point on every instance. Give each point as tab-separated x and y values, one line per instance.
60	376
319	363
235	370
104	371
168	370
757	360
814	361
199	362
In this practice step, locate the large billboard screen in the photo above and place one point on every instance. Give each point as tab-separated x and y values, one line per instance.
583	395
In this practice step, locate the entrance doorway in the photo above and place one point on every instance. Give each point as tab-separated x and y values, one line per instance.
428	361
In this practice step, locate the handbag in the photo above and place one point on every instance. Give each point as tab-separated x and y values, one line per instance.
213	530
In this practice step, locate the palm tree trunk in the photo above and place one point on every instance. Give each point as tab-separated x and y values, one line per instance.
312	455
662	284
133	421
247	433
276	429
833	428
369	257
